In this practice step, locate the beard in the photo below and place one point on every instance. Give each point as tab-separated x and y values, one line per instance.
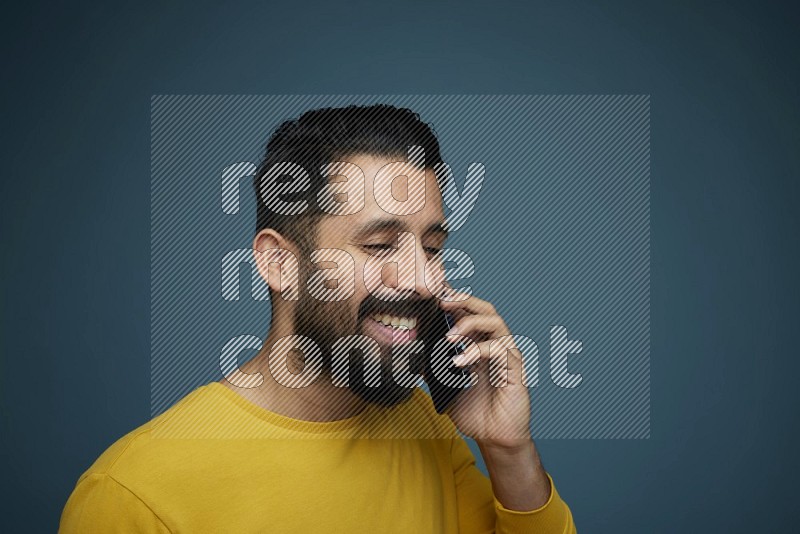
327	322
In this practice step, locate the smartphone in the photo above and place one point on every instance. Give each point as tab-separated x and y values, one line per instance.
442	394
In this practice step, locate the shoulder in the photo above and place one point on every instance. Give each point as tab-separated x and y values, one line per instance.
131	484
99	503
139	448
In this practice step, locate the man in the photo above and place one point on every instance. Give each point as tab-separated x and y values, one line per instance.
317	433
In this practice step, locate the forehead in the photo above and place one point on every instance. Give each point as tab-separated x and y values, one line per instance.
431	213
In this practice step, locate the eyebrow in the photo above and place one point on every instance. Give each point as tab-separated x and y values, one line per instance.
394	225
437	228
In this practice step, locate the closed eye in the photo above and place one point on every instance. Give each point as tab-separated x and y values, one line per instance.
377	247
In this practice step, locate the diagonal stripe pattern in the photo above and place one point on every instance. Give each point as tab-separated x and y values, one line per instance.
559	238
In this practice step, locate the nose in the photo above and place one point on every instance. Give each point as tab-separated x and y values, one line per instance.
411	274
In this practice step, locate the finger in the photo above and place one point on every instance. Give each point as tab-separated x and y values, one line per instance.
494	353
471	304
449	295
470	354
504	347
479	327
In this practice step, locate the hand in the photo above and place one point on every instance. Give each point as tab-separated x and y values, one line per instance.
493	416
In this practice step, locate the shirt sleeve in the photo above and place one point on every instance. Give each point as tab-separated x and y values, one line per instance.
480	512
100	504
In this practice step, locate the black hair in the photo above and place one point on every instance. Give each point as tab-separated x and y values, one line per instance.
322	136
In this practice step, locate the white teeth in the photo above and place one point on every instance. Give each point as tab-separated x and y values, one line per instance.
403	323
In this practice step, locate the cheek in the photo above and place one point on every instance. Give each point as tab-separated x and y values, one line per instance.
370	275
434	277
378	278
362	278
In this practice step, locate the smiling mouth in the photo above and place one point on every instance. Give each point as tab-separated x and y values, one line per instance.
390	329
394	321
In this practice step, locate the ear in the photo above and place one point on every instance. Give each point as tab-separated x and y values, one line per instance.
276	263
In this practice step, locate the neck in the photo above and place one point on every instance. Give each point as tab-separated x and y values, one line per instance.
319	401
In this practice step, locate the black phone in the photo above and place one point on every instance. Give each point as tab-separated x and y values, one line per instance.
439	357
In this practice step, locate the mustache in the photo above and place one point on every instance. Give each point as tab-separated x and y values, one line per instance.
421	308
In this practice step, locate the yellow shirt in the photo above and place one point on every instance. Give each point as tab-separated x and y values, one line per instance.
215	462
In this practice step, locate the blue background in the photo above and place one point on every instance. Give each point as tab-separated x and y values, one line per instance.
724	116
559	235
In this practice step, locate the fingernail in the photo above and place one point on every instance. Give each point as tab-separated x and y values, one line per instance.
453	331
459	360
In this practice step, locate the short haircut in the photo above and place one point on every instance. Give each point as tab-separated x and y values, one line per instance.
322	136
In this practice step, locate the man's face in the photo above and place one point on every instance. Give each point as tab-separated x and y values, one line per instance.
406	310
